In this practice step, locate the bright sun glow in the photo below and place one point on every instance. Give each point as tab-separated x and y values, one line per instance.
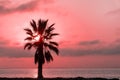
35	76
37	37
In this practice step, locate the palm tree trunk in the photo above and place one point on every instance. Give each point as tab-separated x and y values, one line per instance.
40	61
40	76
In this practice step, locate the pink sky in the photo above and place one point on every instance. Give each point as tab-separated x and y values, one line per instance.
89	32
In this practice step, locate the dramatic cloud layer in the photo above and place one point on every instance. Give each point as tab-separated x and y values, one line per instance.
22	7
17	6
90	49
96	51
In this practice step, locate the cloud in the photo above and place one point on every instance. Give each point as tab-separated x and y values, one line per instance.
28	6
45	6
16	52
102	50
94	42
113	12
23	7
3	42
4	2
19	52
117	40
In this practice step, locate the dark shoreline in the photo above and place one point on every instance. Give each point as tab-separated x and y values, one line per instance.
59	78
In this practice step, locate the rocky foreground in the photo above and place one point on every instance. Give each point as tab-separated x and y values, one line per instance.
77	78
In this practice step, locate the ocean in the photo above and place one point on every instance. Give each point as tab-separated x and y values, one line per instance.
87	73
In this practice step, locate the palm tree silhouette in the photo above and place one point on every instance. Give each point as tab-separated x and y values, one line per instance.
39	37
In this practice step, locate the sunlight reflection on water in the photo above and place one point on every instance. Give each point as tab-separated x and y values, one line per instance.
106	73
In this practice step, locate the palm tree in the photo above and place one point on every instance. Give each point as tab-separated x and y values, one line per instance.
39	37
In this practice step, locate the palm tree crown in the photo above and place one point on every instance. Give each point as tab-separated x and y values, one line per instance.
39	37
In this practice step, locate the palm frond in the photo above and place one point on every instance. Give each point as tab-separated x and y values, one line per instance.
42	25
28	46
54	43
45	24
28	30
45	44
53	48
29	38
48	56
36	57
50	35
51	25
36	44
49	29
34	26
31	34
53	34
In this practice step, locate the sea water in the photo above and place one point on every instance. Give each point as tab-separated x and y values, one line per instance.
50	73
